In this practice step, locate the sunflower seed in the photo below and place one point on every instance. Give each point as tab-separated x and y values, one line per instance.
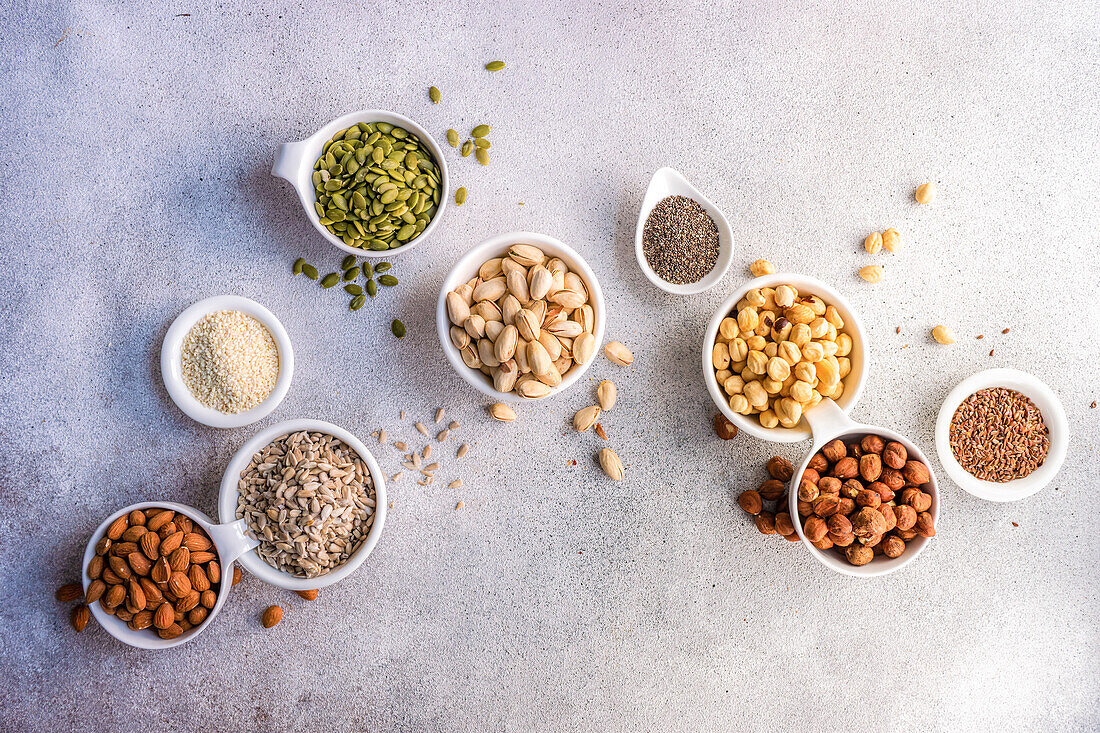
381	436
462	450
432	467
427	452
439	414
443	435
400	445
420	428
456	484
397	476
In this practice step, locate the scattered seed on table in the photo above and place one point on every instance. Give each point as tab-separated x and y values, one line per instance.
466	149
330	280
464	449
460	196
357	302
452	138
351	274
423	482
388	280
482	143
409	465
397	476
353	289
435	95
397	326
460	505
400	445
480	131
416	461
382	267
381	436
991	352
600	431
298	265
443	435
482	156
456	484
494	66
347	262
310	271
368	270
439	414
1006	330
420	428
401	414
454	425
427	452
432	467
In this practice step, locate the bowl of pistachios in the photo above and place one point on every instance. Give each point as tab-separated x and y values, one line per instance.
372	182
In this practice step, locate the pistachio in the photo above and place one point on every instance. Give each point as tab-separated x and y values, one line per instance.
527	255
585	418
502	412
611	464
606	394
541	280
538	358
527	324
532	389
459	337
584	346
505	346
457	310
618	353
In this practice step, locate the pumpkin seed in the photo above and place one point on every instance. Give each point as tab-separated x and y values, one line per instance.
482	156
298	264
368	270
481	131
435	95
494	65
382	267
452	138
347	262
467	148
352	273
353	289
460	196
482	143
330	279
357	302
398	329
310	271
387	280
372	288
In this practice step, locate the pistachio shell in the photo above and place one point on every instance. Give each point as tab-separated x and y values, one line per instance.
532	389
538	358
611	464
584	346
505	344
457	310
541	280
606	394
585	418
502	412
527	255
527	324
618	353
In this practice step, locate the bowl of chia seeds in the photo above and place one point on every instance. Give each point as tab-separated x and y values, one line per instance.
683	242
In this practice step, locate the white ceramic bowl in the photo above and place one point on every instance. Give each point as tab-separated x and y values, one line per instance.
227	503
171	362
853	383
294	162
829	423
1053	415
669	182
467	268
229	542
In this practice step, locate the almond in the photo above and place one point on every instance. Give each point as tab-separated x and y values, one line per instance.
180	559
201	557
95	567
272	615
309	595
197	615
179	584
164	617
200	582
171	632
185	524
139	563
196	541
168	529
162	518
141	620
161	571
117	527
188	601
69	592
208	598
122	549
103	545
96	589
133	534
109	577
153	596
236	575
79	617
169	544
214	572
150	545
120	567
136	600
116	594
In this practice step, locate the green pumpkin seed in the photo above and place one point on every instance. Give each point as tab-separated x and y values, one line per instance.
368	270
388	280
460	196
298	264
398	329
481	131
482	156
353	289
357	302
310	271
452	138
482	143
372	288
494	65
435	95
382	267
467	148
330	279
348	261
351	274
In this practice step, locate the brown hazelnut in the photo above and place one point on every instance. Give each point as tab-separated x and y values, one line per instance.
825	505
917	499
868	498
884	492
858	554
872	541
924	525
811	475
750	501
877	547
854	450
814	528
906	516
870	466
846	468
905	534
818	463
829	485
895	455
724	428
835	450
783	524
839	524
792	537
867	522
893	546
851	488
915	473
887	513
847	506
842	540
824	543
807	492
805	508
872	444
765	522
780	468
771	489
892	477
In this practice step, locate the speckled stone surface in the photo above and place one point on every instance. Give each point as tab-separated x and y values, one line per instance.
137	147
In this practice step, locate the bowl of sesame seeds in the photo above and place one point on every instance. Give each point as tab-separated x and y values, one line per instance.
227	361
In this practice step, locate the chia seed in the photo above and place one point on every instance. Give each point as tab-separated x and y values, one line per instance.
680	240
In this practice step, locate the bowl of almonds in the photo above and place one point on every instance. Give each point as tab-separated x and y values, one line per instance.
520	316
155	573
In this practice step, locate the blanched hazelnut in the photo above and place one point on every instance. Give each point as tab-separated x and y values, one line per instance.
893	546
814	528
835	450
750	501
780	468
858	554
872	444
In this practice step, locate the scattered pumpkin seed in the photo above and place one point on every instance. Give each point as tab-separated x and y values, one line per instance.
494	65
482	143
310	271
298	264
372	288
368	270
357	302
353	289
351	274
388	280
460	196
481	131
348	262
382	267
435	95
467	148
482	156
330	279
398	328
452	138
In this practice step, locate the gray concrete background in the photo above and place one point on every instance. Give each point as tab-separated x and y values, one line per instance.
136	146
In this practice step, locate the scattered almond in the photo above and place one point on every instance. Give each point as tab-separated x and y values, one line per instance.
79	617
69	592
272	615
309	595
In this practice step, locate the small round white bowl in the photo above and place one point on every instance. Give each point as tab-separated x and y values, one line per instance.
853	383
1053	415
229	542
467	267
171	362
669	182
829	423
294	163
227	503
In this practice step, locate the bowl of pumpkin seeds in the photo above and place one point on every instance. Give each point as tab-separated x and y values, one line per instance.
372	182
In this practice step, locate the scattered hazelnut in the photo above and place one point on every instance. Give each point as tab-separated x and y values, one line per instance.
765	522
925	193
780	468
760	268
750	501
783	524
943	335
724	428
771	489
